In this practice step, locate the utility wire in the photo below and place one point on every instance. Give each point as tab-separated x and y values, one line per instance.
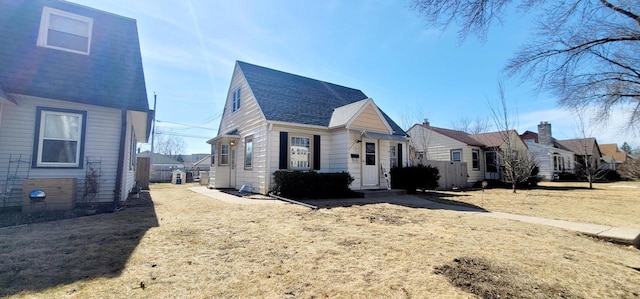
186	125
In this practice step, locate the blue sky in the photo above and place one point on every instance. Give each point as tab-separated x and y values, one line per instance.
411	70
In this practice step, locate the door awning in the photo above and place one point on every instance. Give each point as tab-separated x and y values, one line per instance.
373	135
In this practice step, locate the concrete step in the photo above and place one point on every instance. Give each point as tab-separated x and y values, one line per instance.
380	193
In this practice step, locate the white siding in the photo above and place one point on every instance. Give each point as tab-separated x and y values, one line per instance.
129	176
102	138
249	121
438	147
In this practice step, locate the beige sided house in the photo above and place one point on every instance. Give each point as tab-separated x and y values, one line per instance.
479	151
274	120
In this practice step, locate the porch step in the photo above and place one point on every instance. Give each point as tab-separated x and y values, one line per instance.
380	193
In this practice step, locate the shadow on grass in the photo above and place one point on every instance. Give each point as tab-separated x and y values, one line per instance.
432	200
561	188
39	256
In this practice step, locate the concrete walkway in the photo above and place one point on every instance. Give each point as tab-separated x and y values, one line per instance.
628	236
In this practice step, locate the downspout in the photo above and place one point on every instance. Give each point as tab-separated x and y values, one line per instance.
119	173
267	176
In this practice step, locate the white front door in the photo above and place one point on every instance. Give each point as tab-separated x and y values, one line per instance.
370	168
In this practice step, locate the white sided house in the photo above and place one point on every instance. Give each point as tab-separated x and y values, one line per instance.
481	152
73	103
274	120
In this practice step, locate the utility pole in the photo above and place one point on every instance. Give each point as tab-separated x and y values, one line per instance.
153	128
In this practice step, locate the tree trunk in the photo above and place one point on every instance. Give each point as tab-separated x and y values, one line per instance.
513	186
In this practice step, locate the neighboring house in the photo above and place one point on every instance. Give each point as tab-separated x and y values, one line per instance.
552	158
72	95
584	148
275	120
479	151
612	157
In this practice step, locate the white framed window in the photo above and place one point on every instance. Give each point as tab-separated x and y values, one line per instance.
65	31
224	154
59	138
236	100
213	154
475	159
248	152
456	155
300	153
393	156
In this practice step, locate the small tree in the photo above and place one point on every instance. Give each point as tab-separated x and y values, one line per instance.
515	162
470	126
587	166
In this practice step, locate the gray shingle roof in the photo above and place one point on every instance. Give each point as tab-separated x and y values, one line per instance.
291	98
111	75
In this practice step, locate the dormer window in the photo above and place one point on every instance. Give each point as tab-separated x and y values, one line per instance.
65	31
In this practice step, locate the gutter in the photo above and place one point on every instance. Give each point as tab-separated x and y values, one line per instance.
119	174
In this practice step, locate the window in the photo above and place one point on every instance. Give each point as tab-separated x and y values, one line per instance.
370	153
300	153
236	100
456	155
224	154
248	152
59	138
393	156
475	159
65	31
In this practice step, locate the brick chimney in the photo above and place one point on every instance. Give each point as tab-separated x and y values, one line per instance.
425	122
544	134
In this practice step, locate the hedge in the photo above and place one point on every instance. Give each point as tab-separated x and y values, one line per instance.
414	177
311	184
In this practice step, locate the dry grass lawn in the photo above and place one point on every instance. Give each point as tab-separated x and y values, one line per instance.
191	246
614	204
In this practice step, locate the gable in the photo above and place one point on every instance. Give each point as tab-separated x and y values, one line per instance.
110	75
369	119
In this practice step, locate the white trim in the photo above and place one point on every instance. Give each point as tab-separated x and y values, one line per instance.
45	23
309	152
296	125
41	138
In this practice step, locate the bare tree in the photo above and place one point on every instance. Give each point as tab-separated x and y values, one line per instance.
419	143
585	51
168	144
587	164
466	124
630	169
515	162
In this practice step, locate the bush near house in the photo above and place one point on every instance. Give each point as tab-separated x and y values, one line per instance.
415	177
311	184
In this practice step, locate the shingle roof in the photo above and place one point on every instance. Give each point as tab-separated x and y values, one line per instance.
579	145
111	75
493	139
612	150
291	98
457	135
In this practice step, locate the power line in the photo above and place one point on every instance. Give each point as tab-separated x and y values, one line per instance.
184	135
186	125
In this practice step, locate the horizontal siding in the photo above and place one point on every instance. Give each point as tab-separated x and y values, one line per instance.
368	119
102	138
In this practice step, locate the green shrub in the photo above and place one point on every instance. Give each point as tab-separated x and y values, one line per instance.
415	177
311	184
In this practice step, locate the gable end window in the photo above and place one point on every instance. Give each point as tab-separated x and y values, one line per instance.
59	138
236	100
65	31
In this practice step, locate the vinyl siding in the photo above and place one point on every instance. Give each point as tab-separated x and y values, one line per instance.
249	121
102	138
369	120
438	147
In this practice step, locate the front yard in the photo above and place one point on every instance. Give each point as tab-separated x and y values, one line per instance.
614	204
190	246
